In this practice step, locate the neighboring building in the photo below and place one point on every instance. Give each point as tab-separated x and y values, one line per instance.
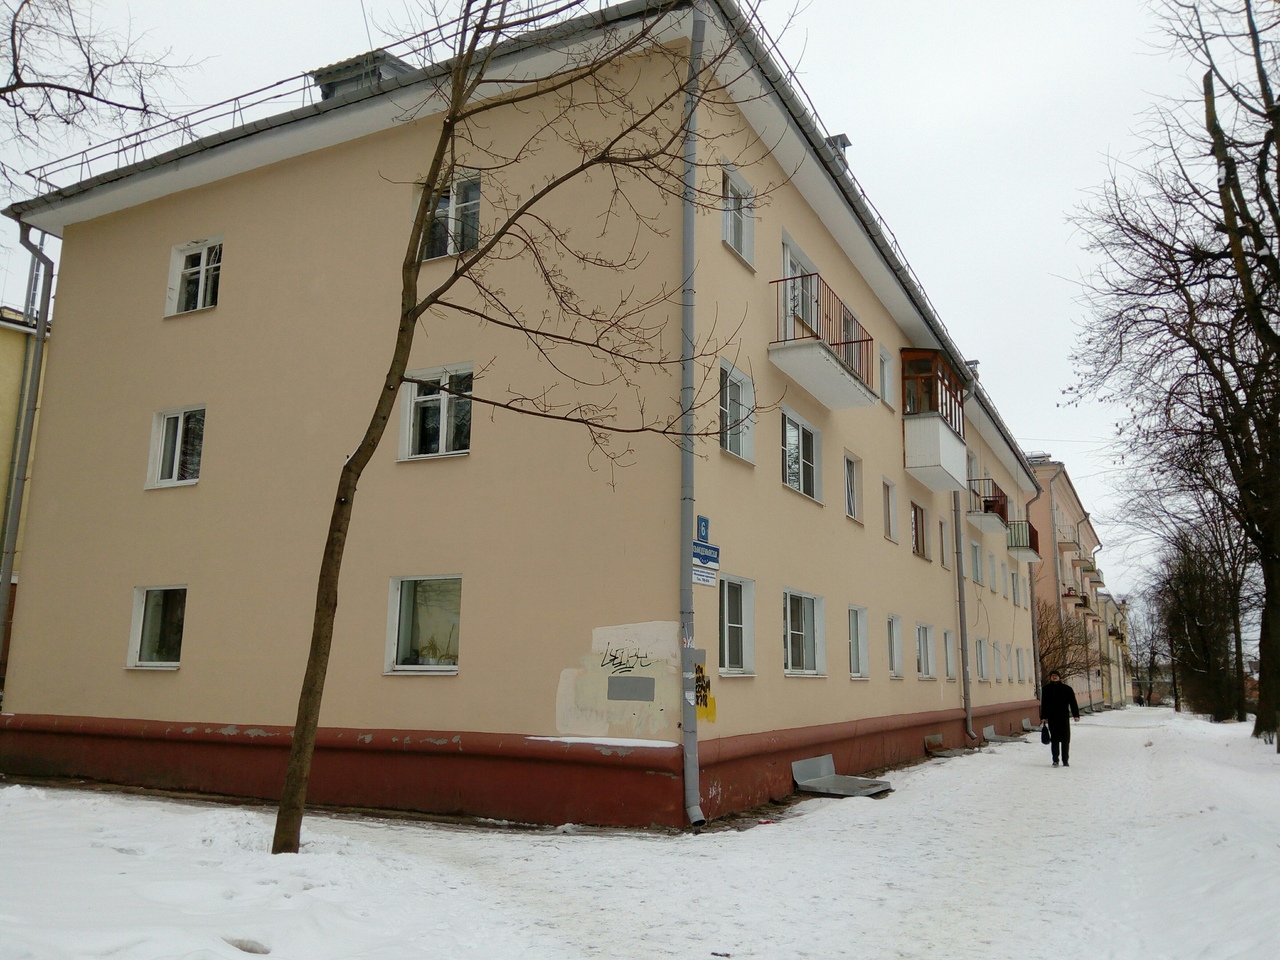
1071	582
507	637
16	338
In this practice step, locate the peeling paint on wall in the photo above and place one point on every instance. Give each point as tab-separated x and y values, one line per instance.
638	651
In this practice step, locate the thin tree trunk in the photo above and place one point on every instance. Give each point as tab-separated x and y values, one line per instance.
1265	722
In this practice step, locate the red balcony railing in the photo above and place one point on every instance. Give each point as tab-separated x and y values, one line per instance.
985	496
929	385
809	310
1023	534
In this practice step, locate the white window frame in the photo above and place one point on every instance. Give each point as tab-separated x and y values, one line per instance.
887	379
889	506
801	295
852	486
134	657
748	594
980	656
893	634
944	546
409	401
1022	672
393	630
1017	600
920	530
949	653
859	662
157	463
926	655
460	214
1004	578
815	606
975	560
991	569
802	426
997	661
737	428
208	276
738	214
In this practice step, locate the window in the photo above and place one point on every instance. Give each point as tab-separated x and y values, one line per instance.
893	630
157	626
975	550
1004	579
802	628
736	628
858	663
949	653
919	530
1008	660
194	271
991	571
800	316
799	455
176	441
739	215
889	501
1022	674
737	404
997	660
425	621
980	651
1016	602
925	657
437	414
853	487
944	544
886	376
455	227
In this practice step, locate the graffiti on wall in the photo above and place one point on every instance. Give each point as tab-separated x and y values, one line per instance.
627	685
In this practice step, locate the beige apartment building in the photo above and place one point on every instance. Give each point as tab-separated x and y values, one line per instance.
508	638
1095	625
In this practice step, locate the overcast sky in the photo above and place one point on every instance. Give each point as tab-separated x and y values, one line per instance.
976	129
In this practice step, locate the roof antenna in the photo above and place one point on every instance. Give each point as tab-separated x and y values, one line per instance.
367	33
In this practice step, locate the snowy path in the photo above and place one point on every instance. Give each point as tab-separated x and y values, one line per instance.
1161	841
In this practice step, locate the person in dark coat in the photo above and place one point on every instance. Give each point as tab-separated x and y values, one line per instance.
1057	707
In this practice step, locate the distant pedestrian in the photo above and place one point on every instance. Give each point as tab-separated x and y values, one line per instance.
1057	707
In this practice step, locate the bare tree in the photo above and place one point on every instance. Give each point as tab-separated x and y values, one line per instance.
1186	331
62	70
1065	644
586	120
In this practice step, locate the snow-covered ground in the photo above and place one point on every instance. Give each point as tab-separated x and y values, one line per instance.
1162	840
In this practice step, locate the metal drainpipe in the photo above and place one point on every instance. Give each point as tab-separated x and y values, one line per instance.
27	417
1088	678
1057	554
957	518
689	657
1102	689
1031	595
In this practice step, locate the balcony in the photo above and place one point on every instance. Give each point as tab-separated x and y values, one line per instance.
988	505
821	345
933	422
1095	575
1024	541
1073	594
1068	537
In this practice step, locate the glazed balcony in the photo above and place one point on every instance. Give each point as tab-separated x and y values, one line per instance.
1024	541
821	345
988	505
933	422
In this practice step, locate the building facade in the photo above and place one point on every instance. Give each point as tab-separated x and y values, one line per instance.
508	637
1082	629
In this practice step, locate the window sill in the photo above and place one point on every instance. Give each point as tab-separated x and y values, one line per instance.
801	493
422	670
168	484
894	676
153	666
187	313
451	255
859	676
727	674
737	457
803	674
448	455
930	679
926	559
855	520
739	255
